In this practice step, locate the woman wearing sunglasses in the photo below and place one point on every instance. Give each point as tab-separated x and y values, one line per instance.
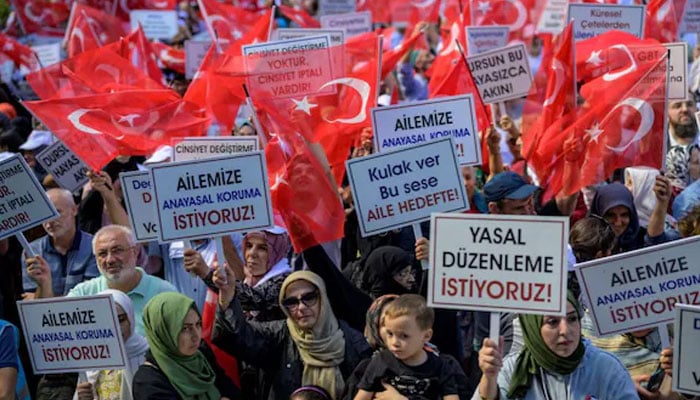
310	347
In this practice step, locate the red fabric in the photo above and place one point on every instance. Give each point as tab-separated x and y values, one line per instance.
428	11
19	53
137	48
43	17
108	6
662	19
380	11
170	57
225	360
227	22
300	17
90	28
513	13
391	57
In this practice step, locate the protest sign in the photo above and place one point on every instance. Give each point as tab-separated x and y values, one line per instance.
677	67
64	165
337	36
399	188
328	7
553	17
277	68
199	148
485	38
351	23
499	263
594	19
157	24
690	23
638	289
48	54
71	334
138	197
686	352
23	201
418	122
206	198
501	74
194	54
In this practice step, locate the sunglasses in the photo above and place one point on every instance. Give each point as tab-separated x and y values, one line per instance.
309	299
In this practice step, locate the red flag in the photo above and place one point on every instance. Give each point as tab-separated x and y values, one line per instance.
19	53
300	17
90	28
137	48
662	19
43	17
107	6
170	57
391	57
82	36
512	13
124	7
380	11
226	22
226	361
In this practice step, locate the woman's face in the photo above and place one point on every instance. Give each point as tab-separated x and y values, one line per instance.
562	334
256	256
406	277
694	164
302	301
124	323
191	334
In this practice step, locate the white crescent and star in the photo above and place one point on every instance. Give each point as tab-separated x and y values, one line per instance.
132	129
74	118
558	81
78	33
303	105
594	132
611	76
646	112
594	59
363	89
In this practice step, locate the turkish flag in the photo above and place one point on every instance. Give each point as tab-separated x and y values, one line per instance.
380	11
90	28
137	48
662	19
391	57
124	7
226	22
43	17
226	361
512	13
299	17
107	6
17	52
170	57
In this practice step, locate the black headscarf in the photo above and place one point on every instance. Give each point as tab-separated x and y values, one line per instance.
610	196
381	265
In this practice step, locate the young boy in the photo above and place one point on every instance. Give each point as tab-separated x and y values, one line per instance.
404	365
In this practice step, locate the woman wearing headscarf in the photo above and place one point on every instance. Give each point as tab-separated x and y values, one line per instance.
683	165
311	347
556	363
178	364
116	384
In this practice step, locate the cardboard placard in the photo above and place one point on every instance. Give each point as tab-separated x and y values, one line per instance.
199	148
23	201
501	74
48	54
638	289
484	38
329	7
502	263
337	36
206	198
399	188
71	334
417	122
66	168
138	198
690	23
157	24
686	352
678	71
351	24
194	54
594	19
553	18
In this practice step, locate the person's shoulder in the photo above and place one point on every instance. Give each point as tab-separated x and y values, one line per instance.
86	288
156	284
599	358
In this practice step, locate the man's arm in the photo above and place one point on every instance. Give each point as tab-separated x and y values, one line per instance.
40	272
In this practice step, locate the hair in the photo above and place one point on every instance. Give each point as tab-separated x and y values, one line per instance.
127	232
413	305
590	235
689	224
310	392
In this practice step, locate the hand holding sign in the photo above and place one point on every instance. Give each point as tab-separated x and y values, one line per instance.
39	271
226	282
194	263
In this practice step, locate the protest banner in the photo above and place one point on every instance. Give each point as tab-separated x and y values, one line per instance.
67	169
498	263
199	148
690	22
553	17
351	23
594	19
23	201
194	54
485	38
72	334
337	36
138	198
211	197
278	68
501	74
48	54
329	7
638	289
399	188
686	352
677	67
418	122
157	24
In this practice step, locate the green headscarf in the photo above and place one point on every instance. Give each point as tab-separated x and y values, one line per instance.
536	354
163	318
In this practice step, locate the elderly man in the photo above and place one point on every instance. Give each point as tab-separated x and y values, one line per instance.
682	127
116	252
66	249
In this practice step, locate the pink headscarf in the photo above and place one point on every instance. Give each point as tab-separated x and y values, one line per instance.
278	244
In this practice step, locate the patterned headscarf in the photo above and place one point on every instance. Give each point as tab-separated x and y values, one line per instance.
374	320
278	245
677	160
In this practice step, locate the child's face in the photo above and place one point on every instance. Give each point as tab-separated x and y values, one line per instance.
405	339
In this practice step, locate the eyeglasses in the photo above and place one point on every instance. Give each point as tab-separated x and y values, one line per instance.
309	299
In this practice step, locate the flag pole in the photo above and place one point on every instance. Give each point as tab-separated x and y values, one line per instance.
256	121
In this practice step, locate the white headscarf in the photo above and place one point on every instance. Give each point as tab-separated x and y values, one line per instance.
642	188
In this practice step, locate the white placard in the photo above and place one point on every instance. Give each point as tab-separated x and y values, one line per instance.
402	187
499	263
417	122
638	289
67	169
594	19
686	352
71	334
157	24
48	54
501	74
690	23
206	198
138	197
352	23
328	7
199	148
194	54
553	18
279	70
678	71
485	38
23	201
337	36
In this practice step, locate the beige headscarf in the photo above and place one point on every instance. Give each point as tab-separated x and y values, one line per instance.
322	349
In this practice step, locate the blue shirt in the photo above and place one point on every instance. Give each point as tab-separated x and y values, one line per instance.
9	357
66	270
